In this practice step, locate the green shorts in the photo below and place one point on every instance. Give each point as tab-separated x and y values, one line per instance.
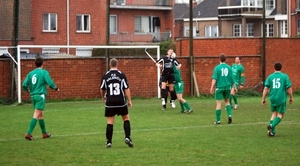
38	101
279	108
179	87
222	94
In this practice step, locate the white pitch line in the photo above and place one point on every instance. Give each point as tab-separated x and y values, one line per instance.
163	129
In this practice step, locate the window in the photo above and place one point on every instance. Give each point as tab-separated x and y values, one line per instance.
269	30
83	23
249	30
237	30
113	24
211	31
50	22
298	28
142	24
283	28
251	2
270	4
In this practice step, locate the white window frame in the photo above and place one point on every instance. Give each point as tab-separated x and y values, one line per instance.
49	22
251	3
249	30
269	30
270	4
84	19
113	24
237	30
283	28
209	31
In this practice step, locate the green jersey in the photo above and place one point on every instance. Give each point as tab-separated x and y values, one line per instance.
278	83
238	73
37	81
177	75
223	76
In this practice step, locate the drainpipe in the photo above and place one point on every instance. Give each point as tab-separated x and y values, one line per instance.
68	25
263	53
191	49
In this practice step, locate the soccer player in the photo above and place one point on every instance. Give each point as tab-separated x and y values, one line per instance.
179	87
167	73
222	79
238	72
36	84
114	90
278	84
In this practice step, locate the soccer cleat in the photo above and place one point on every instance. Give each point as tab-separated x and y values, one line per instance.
182	111
217	122
29	137
163	102
164	107
128	142
172	104
190	111
108	145
229	120
270	133
47	135
235	106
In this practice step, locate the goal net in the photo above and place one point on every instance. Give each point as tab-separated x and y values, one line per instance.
77	70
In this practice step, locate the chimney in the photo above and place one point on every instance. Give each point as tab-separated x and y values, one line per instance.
228	3
194	4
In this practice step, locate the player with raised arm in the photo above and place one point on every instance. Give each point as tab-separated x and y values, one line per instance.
238	72
222	80
114	90
167	63
278	84
36	84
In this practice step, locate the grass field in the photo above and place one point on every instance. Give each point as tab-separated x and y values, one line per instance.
160	137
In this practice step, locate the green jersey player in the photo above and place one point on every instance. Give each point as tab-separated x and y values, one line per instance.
222	80
238	73
179	87
278	85
36	84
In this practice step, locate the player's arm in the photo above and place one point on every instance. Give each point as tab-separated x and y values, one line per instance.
158	63
50	82
213	83
25	84
128	96
290	92
265	92
242	80
102	94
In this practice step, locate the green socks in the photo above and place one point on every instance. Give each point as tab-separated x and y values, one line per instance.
218	115
235	99
181	106
42	125
228	109
32	125
275	122
187	106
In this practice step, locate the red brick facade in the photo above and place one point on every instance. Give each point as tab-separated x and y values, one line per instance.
80	78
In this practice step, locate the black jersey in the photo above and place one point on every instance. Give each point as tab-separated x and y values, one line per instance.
168	64
114	82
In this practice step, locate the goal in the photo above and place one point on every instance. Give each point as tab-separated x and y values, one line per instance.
79	68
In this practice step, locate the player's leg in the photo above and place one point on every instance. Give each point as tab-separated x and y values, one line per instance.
164	91
276	117
41	106
126	126
110	118
227	105
218	97
37	113
171	81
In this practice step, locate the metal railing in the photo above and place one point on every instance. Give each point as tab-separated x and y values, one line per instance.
125	37
141	2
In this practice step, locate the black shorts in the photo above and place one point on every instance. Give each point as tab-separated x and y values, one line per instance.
116	111
168	77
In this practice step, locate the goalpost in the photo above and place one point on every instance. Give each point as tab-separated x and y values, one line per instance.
63	51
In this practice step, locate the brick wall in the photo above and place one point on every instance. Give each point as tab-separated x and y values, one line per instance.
5	78
80	78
